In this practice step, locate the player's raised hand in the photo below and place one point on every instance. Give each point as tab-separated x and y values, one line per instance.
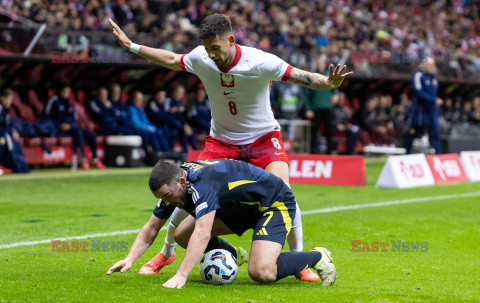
336	76
121	266
122	38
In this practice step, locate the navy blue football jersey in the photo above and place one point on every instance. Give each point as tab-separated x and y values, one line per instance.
240	192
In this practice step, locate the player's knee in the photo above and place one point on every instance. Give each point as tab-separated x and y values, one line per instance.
180	238
262	274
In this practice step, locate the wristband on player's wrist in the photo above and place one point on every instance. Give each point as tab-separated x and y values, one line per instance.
134	48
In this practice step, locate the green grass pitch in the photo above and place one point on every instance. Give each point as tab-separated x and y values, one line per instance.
56	203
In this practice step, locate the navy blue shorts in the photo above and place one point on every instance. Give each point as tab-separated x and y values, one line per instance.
276	221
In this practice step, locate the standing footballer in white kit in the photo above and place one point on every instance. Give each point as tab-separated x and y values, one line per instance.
237	80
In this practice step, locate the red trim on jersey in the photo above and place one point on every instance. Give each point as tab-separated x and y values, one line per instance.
182	64
287	73
237	58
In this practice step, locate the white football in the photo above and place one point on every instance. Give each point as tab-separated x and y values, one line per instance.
218	266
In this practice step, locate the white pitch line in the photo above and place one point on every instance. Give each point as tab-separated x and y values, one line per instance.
308	212
386	203
121	232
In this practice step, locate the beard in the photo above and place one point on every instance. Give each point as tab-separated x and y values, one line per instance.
225	63
183	201
221	63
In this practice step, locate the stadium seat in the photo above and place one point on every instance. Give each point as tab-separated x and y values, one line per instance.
72	99
125	97
355	104
84	120
101	139
359	147
24	111
50	141
13	113
35	103
65	141
51	93
364	137
32	142
81	96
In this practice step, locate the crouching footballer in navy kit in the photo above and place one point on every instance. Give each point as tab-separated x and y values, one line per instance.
227	197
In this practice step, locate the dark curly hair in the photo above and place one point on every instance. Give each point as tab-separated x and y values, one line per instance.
214	25
6	92
163	173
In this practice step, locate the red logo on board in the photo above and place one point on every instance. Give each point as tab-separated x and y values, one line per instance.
446	168
227	80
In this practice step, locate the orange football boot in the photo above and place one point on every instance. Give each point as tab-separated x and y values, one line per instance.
153	266
84	165
307	275
98	164
4	170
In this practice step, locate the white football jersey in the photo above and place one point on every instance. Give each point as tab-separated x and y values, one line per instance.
239	95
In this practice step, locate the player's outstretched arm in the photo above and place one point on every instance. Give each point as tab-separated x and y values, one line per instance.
161	57
142	242
196	246
319	81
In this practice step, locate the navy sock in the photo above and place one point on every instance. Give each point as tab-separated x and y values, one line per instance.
217	243
290	263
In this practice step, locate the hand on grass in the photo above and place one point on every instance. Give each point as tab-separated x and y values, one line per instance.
121	266
176	281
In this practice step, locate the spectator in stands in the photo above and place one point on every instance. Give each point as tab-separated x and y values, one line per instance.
12	157
62	113
119	100
140	123
399	120
158	112
24	128
447	109
457	110
466	113
383	110
384	117
466	125
200	115
109	117
446	117
342	118
377	133
116	96
475	115
333	25
287	100
318	106
424	111
180	129
364	26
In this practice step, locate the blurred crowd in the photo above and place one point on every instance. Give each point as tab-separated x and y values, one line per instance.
173	119
298	31
460	117
165	121
446	29
381	119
